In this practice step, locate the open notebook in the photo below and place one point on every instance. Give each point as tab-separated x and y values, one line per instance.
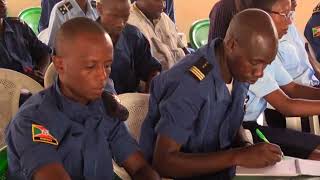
286	167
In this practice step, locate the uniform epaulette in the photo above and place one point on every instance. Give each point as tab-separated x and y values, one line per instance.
316	9
66	7
200	69
94	4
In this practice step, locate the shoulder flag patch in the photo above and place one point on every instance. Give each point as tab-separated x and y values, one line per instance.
41	134
200	69
65	8
316	31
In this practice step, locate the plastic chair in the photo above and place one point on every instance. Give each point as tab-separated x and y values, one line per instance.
31	16
11	84
198	33
295	122
50	76
137	105
3	163
43	36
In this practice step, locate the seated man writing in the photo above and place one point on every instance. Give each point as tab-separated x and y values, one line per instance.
197	107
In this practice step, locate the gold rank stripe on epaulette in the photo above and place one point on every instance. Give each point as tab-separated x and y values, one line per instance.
94	4
65	8
200	69
316	9
41	134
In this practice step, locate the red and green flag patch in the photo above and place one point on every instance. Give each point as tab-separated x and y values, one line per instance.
316	31
41	134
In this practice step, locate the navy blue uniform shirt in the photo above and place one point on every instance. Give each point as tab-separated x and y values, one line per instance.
46	8
50	128
202	116
312	31
20	49
132	60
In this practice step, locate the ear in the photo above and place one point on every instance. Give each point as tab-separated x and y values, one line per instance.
58	64
231	45
99	8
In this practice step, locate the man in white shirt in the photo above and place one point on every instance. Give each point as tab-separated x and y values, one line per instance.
161	32
68	9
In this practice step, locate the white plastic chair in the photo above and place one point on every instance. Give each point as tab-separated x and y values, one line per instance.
43	36
137	105
11	84
50	76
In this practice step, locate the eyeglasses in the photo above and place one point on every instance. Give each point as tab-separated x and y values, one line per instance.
288	16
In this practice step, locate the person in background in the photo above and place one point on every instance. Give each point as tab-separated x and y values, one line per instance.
133	61
68	9
169	9
64	132
299	63
20	49
46	8
221	15
166	45
312	31
277	88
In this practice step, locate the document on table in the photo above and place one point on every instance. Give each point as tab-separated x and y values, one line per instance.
286	167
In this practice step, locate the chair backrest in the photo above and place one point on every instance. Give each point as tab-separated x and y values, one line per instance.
31	16
11	84
199	32
43	36
137	105
50	76
3	163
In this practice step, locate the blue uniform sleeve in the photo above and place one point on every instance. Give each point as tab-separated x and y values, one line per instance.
312	33
31	155
37	49
145	63
179	112
122	143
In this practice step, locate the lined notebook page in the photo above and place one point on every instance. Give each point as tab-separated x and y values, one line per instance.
285	167
308	167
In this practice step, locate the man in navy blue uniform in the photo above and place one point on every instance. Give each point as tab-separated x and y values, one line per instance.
64	131
197	107
133	61
46	8
169	9
312	31
20	50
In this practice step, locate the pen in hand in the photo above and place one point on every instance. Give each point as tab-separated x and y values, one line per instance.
262	137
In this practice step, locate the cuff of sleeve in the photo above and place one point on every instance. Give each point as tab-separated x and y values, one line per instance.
176	133
33	159
130	147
